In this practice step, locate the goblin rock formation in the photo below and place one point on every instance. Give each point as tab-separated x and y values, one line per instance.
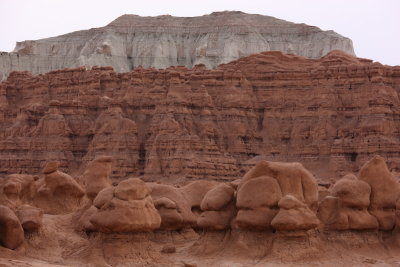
127	207
57	192
347	206
273	207
131	41
277	195
385	191
330	114
271	196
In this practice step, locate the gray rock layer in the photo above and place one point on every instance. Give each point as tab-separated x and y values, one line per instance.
131	41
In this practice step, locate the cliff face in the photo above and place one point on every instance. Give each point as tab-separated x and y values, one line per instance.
131	41
331	114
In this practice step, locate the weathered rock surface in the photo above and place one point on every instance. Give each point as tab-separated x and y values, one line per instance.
11	233
57	192
129	209
217	198
218	208
17	189
385	191
277	195
97	175
131	41
179	207
330	114
256	202
347	206
294	215
30	217
292	178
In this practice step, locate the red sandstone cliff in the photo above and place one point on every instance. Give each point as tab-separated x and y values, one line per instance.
331	114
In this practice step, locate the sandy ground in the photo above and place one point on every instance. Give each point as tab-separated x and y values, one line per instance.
58	245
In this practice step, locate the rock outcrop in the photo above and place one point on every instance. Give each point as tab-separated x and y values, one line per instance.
347	206
17	189
257	201
294	215
97	175
330	114
127	207
218	208
177	124
277	195
271	196
180	207
131	41
385	191
57	192
11	233
30	217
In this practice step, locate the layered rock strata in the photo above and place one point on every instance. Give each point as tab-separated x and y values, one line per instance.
330	114
163	41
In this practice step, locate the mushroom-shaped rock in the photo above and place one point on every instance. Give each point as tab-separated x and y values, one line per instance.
257	201
58	192
30	217
293	179
385	191
11	232
347	208
127	214
294	215
96	175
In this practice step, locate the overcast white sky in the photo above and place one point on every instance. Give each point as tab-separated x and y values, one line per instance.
372	25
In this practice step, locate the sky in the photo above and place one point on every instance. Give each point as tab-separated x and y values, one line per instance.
373	25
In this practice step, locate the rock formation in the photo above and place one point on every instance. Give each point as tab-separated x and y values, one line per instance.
277	195
131	41
30	217
127	207
330	114
347	206
257	201
11	233
294	215
57	192
96	176
17	189
179	207
218	208
385	191
293	179
111	228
